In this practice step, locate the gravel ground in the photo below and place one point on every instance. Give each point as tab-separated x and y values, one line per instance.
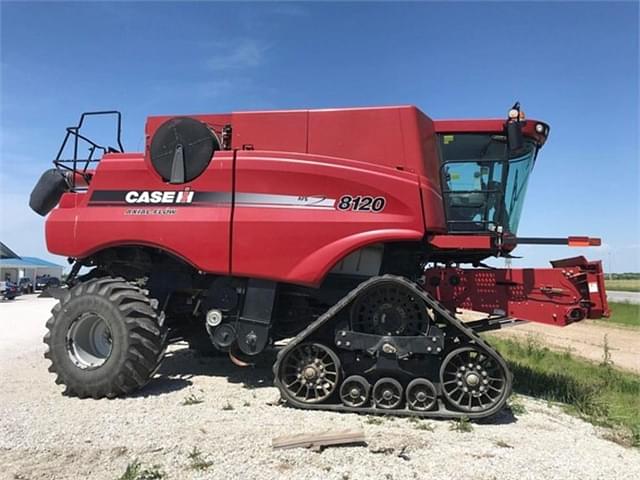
44	435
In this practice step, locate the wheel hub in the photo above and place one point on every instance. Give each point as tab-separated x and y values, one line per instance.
310	373
89	341
389	310
472	379
391	318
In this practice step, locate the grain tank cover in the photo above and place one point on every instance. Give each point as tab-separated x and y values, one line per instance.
182	148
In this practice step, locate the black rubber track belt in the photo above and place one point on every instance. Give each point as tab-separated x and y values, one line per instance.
442	411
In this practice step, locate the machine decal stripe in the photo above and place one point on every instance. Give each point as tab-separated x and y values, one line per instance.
188	198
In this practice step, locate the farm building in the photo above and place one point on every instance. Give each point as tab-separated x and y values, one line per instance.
14	267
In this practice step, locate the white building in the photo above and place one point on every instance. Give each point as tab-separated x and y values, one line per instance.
14	267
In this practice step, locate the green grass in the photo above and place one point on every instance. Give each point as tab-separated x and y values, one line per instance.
197	460
135	471
462	425
516	406
626	285
600	394
625	313
374	420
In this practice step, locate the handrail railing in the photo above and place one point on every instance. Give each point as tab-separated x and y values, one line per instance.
72	164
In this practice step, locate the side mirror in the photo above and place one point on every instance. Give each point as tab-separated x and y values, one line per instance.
515	139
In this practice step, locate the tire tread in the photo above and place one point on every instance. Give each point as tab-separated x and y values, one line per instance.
147	338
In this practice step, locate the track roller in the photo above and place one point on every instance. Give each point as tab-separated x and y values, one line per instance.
421	395
354	391
387	393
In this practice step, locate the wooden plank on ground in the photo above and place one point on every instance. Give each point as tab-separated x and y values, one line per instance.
317	441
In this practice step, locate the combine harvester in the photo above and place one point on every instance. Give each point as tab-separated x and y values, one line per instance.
342	230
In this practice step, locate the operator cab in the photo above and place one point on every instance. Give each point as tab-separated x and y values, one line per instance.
484	177
483	184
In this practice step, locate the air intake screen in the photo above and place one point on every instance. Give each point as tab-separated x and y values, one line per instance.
182	148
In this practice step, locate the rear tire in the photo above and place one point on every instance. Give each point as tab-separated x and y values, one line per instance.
104	339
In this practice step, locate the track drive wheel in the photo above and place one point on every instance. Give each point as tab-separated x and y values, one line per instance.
473	381
104	339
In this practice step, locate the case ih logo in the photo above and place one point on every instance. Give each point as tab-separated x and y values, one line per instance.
157	197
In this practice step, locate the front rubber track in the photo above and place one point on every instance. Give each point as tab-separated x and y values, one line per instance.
138	338
443	411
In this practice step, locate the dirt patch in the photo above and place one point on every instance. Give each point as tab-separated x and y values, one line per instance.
586	339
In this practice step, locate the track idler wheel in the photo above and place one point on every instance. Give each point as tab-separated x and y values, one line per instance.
387	393
421	395
354	391
310	372
472	381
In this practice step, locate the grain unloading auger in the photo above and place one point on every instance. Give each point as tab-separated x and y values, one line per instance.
342	231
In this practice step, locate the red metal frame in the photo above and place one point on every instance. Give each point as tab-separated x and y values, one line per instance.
569	292
313	158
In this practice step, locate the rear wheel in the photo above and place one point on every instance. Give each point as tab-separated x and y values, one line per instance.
104	339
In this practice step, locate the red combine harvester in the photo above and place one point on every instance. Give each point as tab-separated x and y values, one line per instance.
341	230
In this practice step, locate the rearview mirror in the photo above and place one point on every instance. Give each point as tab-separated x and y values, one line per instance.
515	139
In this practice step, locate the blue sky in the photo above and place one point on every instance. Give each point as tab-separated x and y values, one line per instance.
574	65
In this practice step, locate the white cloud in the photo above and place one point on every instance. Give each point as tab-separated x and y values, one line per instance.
239	55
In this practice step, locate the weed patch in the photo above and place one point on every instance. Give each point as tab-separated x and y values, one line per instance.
374	420
135	471
462	425
601	394
197	461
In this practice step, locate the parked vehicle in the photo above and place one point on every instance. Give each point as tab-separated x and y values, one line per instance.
45	281
25	285
9	290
